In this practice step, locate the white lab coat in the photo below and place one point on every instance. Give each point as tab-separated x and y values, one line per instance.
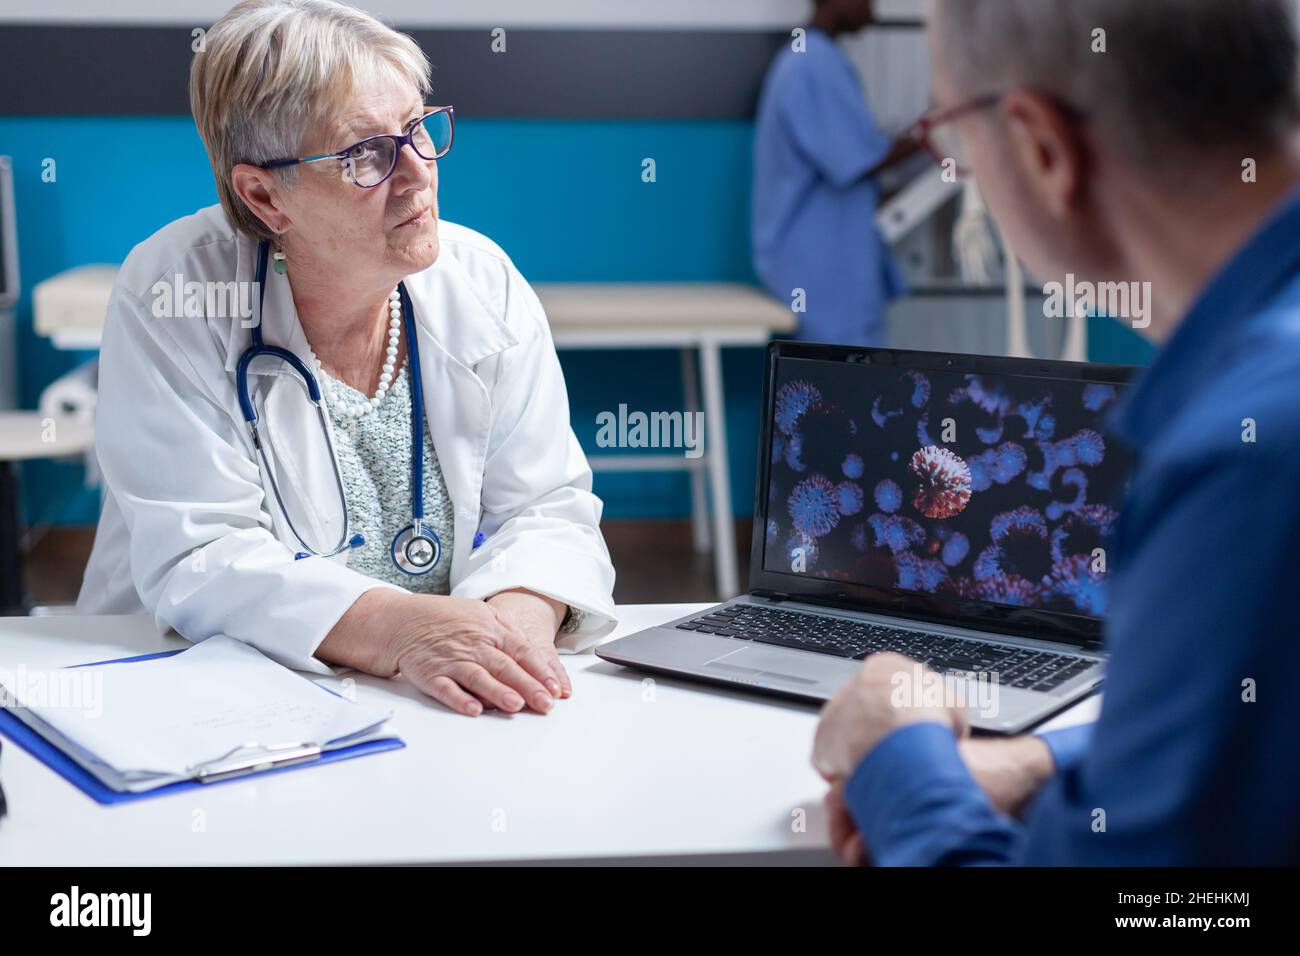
190	531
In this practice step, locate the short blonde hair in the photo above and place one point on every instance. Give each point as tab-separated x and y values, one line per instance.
270	71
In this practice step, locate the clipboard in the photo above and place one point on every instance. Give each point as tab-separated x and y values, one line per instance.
275	762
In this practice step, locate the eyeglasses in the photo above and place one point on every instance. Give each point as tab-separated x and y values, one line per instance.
940	138
371	161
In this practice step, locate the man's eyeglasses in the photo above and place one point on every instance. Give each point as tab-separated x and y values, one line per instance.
938	134
940	138
371	161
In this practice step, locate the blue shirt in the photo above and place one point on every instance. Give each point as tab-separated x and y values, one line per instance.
814	215
1194	760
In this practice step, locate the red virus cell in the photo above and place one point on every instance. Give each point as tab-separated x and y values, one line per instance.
945	485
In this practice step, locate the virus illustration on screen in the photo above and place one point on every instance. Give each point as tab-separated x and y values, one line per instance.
1083	531
919	574
1019	558
793	401
1084	447
1000	465
889	497
1097	396
895	532
849	497
814	506
945	482
955	549
1075	586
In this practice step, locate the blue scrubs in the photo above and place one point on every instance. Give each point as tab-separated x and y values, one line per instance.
814	215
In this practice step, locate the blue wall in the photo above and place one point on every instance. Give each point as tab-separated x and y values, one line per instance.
565	199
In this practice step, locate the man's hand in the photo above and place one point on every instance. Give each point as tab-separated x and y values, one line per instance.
844	835
1009	770
539	617
888	692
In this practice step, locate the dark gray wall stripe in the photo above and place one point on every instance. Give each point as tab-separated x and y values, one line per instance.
142	70
585	74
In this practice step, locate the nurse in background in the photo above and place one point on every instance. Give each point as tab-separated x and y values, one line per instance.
817	150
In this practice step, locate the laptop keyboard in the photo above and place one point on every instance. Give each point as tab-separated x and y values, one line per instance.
1016	667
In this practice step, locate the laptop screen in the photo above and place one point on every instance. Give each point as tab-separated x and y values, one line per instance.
998	488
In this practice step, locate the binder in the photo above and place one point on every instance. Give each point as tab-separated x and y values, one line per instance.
271	762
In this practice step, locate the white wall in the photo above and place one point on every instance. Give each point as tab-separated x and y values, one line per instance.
703	14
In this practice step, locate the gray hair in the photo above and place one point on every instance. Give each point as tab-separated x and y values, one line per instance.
1176	76
270	71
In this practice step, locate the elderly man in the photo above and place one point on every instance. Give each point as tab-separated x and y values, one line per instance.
1134	142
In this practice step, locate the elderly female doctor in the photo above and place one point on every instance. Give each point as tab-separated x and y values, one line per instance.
434	515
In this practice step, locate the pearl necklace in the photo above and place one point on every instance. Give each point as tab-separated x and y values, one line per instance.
364	407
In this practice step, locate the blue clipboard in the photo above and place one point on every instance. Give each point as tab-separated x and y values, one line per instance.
67	768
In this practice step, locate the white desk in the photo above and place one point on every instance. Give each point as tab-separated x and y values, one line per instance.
623	770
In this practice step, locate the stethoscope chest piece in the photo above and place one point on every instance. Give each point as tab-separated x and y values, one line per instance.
416	550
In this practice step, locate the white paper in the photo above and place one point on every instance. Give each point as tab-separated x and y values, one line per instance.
167	718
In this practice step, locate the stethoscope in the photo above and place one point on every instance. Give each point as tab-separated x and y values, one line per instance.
416	548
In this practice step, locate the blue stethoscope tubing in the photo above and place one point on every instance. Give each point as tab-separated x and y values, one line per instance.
415	549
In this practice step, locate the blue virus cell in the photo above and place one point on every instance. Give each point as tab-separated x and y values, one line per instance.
991	399
1023	519
1097	396
893	456
1070	478
849	497
813	506
920	389
955	549
853	466
1020	547
889	497
1084	447
923	431
1040	423
1000	464
987	564
793	401
1075	584
1082	531
895	532
988	434
801	551
1008	589
778	448
794	453
881	415
919	574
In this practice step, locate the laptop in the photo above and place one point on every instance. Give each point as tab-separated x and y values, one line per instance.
956	509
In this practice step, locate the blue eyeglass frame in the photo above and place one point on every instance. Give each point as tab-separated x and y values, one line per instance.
398	139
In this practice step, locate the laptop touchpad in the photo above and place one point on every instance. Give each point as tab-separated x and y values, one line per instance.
753	662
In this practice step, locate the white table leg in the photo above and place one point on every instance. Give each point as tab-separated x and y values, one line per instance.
715	429
699	493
